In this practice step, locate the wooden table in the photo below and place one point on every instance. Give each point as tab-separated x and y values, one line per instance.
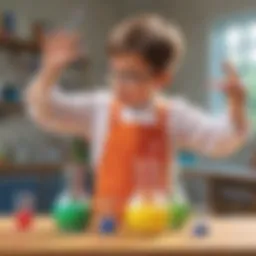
229	236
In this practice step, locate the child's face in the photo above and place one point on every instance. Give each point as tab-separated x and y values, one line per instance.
133	81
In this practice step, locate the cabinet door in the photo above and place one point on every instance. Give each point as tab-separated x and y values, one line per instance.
229	196
11	186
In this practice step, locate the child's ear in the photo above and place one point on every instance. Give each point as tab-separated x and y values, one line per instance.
165	78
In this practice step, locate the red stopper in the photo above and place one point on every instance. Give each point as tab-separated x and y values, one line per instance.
24	219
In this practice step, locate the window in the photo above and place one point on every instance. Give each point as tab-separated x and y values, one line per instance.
234	40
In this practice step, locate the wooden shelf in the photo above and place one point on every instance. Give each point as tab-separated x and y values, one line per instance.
15	44
7	108
19	45
9	168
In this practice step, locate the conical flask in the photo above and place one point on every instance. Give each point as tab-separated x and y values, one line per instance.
72	208
147	210
179	207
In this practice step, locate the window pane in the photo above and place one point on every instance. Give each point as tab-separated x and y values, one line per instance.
235	41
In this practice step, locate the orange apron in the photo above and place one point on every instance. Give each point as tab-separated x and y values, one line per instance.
125	144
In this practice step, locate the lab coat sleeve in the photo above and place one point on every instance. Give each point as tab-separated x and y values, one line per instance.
196	130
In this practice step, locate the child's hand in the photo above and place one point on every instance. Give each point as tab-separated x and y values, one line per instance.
235	91
233	87
60	49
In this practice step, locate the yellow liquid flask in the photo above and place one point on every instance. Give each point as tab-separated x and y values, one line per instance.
147	210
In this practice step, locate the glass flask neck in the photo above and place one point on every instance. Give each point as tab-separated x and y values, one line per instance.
75	180
147	177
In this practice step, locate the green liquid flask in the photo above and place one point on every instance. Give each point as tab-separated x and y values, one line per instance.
72	209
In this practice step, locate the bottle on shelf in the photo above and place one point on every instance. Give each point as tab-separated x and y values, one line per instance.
9	23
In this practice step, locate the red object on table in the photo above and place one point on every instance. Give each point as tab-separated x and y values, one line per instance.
24	219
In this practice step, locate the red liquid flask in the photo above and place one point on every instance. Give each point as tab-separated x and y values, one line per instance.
24	212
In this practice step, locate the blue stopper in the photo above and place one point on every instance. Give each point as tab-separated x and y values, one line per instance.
107	225
200	230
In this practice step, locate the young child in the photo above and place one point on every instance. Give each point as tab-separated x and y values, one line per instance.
132	121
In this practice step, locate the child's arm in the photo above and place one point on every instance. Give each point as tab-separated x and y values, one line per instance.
216	137
51	108
235	92
194	129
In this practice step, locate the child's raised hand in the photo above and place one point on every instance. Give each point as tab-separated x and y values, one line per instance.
236	95
233	87
60	49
